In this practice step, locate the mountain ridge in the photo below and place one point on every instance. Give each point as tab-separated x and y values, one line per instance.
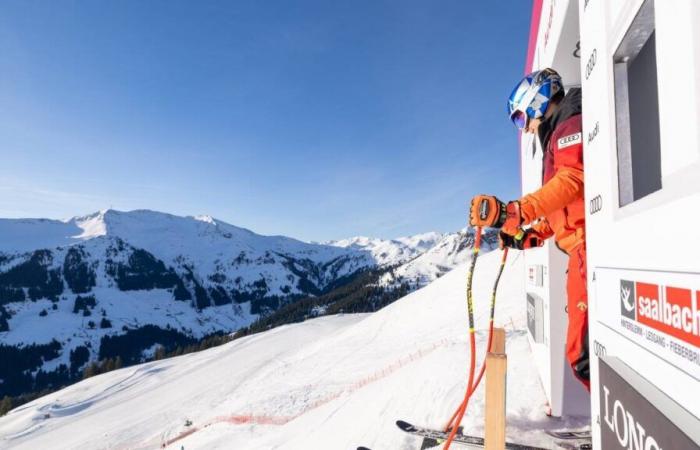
132	278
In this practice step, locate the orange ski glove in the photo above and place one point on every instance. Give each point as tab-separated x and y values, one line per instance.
489	211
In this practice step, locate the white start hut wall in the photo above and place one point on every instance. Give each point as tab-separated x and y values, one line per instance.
638	63
554	43
640	73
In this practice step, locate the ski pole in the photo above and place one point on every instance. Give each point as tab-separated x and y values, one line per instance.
491	317
490	338
471	389
472	338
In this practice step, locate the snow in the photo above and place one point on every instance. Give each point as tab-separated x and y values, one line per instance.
332	382
123	309
391	251
92	226
21	235
443	255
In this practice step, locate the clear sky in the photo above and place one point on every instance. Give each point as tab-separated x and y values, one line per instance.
313	119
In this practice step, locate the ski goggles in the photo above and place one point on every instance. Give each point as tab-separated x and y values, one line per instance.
519	119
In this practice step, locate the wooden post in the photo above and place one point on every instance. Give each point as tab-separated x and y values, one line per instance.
498	344
495	414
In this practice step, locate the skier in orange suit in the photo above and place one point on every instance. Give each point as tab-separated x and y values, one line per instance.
538	105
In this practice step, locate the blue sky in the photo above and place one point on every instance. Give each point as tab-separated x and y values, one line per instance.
313	119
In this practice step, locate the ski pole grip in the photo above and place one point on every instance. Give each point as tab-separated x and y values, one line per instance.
477	238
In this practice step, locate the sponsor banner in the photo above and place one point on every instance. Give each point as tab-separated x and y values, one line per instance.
629	421
659	311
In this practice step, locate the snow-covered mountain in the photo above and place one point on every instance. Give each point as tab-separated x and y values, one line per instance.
333	382
392	251
120	284
444	255
218	250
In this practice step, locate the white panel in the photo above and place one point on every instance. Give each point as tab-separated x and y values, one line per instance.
554	35
645	238
618	11
565	57
677	23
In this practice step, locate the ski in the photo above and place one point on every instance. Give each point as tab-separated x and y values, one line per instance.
433	438
568	435
462	439
572	440
573	445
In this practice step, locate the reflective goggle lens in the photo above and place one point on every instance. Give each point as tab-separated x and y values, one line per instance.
519	118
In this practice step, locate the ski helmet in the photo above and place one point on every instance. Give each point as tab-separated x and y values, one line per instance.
530	98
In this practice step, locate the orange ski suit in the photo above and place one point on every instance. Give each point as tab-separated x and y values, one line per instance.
559	206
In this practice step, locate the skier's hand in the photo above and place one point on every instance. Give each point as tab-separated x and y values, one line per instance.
529	239
489	211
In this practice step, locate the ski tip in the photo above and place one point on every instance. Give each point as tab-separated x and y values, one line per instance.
405	426
362	448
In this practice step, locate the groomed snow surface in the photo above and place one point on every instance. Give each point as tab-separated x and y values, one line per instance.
330	383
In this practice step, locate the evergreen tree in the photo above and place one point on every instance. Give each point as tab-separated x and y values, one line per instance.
160	353
107	365
5	405
90	371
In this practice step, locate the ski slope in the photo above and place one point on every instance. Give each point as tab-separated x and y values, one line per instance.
330	383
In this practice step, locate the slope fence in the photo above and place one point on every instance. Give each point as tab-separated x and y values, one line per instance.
258	419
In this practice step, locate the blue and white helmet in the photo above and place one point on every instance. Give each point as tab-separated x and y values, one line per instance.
530	98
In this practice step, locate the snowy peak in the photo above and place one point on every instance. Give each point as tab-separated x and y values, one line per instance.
200	237
93	225
450	251
205	219
391	251
420	259
162	233
423	241
141	223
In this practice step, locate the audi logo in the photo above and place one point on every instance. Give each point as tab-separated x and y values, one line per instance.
599	349
596	204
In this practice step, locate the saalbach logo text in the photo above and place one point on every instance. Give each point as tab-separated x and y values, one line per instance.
670	310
